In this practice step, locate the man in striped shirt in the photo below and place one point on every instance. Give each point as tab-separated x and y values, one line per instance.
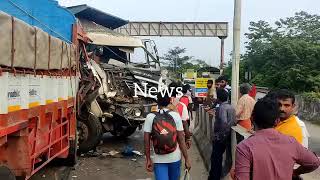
244	107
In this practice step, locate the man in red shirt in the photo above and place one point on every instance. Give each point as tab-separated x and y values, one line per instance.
253	91
182	110
268	154
186	99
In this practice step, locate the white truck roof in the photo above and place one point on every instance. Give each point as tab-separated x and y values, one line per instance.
103	36
111	39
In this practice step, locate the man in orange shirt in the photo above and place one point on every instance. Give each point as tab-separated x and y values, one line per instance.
288	124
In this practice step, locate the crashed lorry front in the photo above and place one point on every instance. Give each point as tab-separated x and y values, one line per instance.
128	71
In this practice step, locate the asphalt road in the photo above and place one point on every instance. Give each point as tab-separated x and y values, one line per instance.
102	165
314	140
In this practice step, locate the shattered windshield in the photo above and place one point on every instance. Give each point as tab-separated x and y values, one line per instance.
142	56
138	56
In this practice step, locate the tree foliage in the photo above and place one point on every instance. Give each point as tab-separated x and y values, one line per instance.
286	55
175	61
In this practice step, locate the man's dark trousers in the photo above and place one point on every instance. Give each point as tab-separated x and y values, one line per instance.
218	148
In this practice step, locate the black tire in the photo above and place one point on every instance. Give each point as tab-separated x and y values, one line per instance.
124	132
90	133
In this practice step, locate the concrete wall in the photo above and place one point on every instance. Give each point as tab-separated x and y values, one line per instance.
203	136
308	110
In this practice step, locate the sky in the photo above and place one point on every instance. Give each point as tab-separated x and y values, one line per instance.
207	49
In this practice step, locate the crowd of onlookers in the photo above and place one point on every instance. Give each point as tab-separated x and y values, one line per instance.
276	150
278	146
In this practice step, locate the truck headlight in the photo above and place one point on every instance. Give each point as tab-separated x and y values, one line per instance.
137	112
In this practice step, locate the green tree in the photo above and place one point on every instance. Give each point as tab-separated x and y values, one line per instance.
286	55
175	61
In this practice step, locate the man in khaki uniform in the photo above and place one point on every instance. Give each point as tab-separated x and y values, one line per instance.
211	90
212	94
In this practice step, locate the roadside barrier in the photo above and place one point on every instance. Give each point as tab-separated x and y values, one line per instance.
203	136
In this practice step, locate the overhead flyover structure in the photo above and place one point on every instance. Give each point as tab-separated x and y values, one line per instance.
178	29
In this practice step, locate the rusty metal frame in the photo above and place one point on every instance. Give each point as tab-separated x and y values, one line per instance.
52	143
177	29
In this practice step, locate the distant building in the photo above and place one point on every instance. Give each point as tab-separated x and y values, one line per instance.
209	72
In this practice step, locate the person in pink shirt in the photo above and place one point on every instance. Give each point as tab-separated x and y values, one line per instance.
186	99
182	110
268	154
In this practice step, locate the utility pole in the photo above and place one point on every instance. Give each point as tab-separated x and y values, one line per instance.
222	53
236	52
235	67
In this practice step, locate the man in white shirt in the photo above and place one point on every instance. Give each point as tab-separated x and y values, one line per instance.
305	133
165	166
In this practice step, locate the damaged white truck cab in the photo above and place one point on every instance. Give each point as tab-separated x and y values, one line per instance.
119	63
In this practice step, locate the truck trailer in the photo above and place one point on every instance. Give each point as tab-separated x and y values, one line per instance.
41	50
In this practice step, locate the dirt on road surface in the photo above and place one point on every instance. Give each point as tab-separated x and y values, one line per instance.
314	139
314	145
106	164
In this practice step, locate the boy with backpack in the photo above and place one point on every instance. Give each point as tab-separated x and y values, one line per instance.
165	130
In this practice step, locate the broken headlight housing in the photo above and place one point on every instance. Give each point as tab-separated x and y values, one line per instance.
137	112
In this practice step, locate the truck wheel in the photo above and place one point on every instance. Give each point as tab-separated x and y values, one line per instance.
123	132
90	132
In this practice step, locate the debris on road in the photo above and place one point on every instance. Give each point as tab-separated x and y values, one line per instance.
128	151
137	153
92	154
113	153
105	154
137	136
